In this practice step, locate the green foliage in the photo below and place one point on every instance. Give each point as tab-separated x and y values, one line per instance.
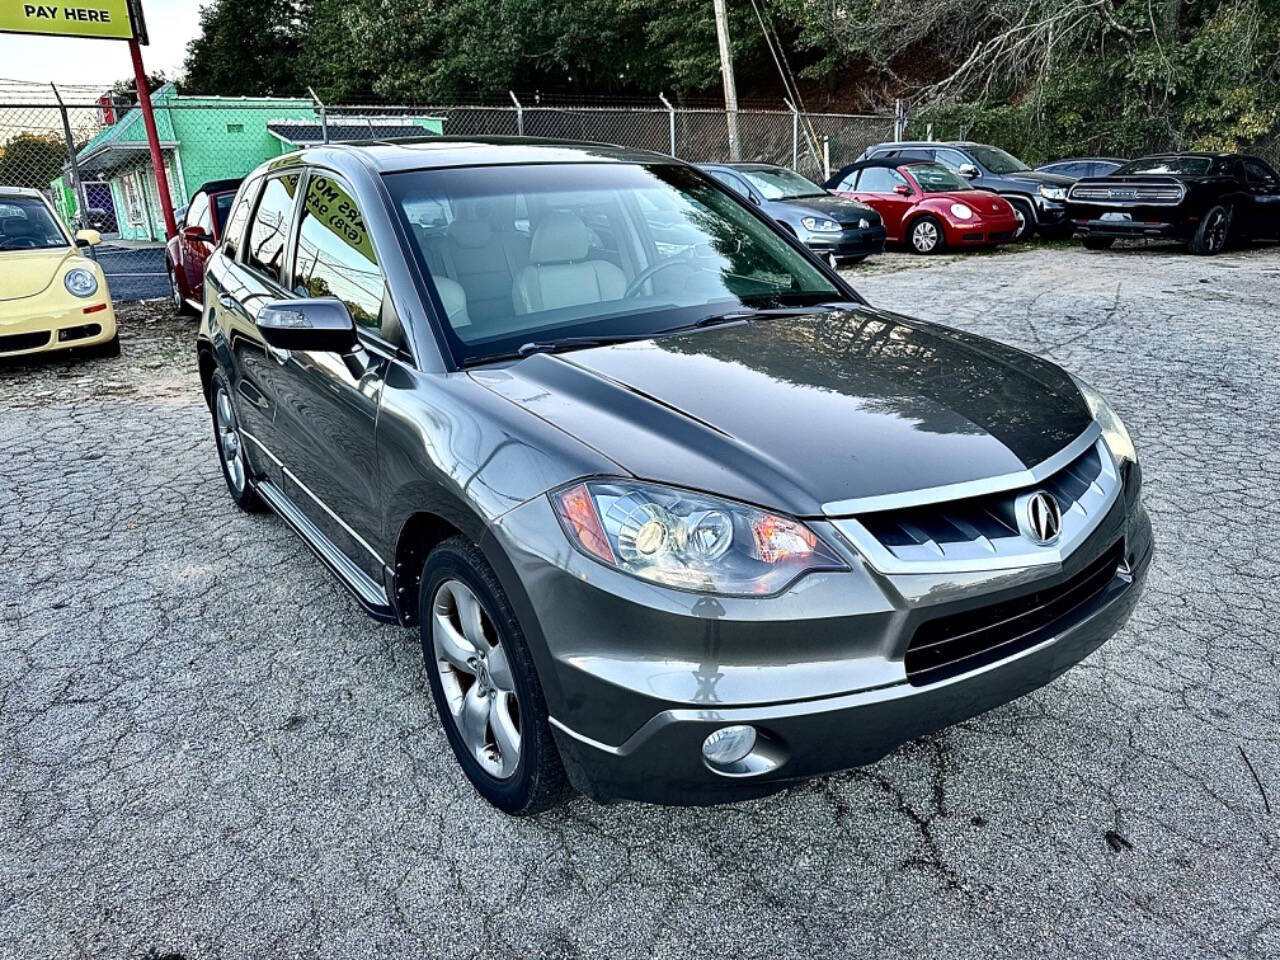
248	48
32	160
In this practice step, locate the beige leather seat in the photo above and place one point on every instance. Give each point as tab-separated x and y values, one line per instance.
559	273
483	251
454	299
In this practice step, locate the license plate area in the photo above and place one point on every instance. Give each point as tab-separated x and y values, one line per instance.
1117	215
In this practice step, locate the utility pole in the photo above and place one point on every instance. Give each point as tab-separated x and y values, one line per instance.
726	72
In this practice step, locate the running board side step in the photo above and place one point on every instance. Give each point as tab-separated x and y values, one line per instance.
370	595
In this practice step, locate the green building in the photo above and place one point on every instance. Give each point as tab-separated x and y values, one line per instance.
203	139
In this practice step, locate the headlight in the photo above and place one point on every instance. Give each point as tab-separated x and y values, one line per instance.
961	210
80	282
820	225
1113	431
1053	193
689	540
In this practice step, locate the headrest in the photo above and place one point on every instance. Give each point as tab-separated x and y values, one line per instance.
470	233
17	227
559	238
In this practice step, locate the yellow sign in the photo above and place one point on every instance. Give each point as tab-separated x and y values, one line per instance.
104	19
332	206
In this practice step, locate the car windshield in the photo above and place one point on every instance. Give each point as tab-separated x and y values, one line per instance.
539	253
27	224
935	178
997	161
781	184
1184	166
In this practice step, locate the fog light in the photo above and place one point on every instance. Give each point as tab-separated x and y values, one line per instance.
729	745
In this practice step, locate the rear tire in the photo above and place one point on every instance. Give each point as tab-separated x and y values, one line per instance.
1211	236
506	750
1099	243
926	236
175	295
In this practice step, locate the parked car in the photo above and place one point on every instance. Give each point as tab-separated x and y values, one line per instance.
925	205
832	227
677	525
51	296
1037	198
1077	168
199	230
1201	199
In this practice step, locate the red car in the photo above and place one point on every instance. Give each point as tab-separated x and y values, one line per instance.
199	231
925	205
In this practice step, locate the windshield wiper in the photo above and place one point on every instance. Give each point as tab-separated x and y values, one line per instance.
555	346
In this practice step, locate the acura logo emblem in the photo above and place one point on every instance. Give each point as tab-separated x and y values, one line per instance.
1044	518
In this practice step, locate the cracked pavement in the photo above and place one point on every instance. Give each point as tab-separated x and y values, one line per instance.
207	750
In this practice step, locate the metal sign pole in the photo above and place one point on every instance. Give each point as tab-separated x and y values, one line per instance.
153	140
82	215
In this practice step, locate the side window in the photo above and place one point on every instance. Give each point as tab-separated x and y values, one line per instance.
1258	174
335	255
197	213
880	180
269	232
952	158
239	217
730	181
850	183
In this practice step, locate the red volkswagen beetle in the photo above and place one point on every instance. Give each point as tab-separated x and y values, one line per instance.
925	205
199	231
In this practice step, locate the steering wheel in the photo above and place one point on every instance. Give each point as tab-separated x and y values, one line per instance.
699	251
21	243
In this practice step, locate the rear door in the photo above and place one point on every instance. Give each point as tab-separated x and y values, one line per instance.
193	255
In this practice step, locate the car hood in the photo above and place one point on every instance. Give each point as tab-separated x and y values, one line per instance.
794	413
984	201
838	209
1039	176
24	273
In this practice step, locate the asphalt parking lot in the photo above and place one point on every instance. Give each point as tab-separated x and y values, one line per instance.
206	750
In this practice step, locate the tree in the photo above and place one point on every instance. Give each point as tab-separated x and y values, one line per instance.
247	48
32	160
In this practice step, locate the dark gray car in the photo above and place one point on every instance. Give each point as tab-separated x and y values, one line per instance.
679	517
840	229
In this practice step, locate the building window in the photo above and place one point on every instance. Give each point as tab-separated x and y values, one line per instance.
235	128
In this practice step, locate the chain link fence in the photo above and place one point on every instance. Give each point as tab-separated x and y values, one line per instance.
105	180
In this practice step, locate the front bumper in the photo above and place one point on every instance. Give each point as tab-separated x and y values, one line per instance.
854	242
636	676
54	320
1132	229
982	231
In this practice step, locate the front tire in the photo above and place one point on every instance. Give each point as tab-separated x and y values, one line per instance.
484	683
175	294
230	441
927	236
1026	220
1211	236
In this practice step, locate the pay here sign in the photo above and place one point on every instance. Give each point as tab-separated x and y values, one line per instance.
104	19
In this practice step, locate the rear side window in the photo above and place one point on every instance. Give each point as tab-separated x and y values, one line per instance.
240	216
335	256
730	181
880	180
199	209
269	232
1258	174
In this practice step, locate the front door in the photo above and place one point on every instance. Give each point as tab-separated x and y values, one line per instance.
1263	186
879	188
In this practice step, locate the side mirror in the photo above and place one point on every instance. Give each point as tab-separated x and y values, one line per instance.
968	171
322	325
197	233
902	190
88	238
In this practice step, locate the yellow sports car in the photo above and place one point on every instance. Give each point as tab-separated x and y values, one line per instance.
51	297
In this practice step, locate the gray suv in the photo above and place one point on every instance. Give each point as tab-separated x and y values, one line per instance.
678	516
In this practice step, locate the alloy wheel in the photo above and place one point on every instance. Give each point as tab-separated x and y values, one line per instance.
475	675
1215	231
1022	222
176	292
924	236
229	445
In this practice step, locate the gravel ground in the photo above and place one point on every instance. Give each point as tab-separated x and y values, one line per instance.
206	750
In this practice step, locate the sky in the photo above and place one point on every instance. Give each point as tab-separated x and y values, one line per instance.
171	24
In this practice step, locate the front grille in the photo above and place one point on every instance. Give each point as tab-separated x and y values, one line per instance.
1125	194
959	642
23	341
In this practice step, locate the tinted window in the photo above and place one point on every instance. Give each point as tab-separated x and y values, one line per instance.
335	255
269	232
935	178
1258	173
236	225
997	161
879	180
952	158
221	207
199	209
27	224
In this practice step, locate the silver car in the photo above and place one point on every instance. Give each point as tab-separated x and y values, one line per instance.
680	518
